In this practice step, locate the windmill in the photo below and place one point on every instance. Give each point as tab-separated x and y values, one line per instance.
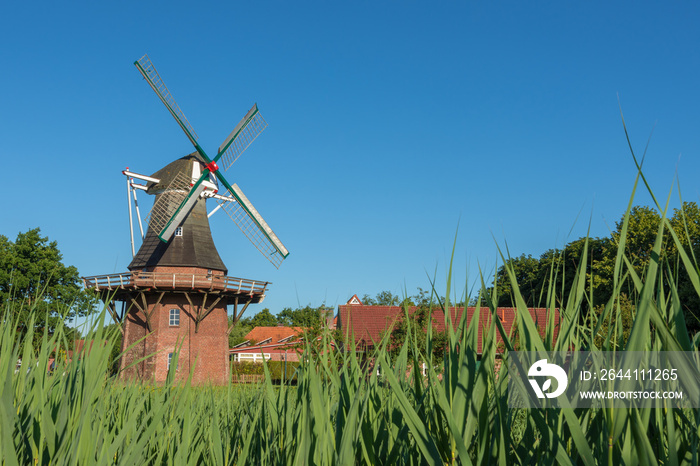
175	297
182	192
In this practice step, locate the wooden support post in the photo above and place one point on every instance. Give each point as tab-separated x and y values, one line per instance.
237	317
233	318
144	309
201	312
153	308
160	297
124	312
135	303
210	308
115	316
240	314
194	311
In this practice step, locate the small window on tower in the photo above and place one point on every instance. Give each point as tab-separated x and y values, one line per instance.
178	231
170	358
174	317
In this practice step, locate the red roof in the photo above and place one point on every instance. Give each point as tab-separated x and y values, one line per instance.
273	340
366	323
274	334
369	323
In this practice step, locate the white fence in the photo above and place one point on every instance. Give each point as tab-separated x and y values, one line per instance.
254	357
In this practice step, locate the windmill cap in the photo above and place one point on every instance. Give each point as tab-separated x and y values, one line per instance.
170	171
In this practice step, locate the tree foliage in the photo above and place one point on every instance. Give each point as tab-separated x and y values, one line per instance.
414	311
417	318
33	276
264	319
306	317
310	318
383	298
617	326
116	349
238	332
555	267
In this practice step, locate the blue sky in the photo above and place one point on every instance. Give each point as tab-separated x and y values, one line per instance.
390	125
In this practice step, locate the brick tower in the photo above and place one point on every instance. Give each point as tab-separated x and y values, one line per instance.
175	296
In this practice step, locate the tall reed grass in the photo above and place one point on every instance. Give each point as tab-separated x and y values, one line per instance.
341	412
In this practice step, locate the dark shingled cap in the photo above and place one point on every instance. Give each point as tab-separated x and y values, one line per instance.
195	248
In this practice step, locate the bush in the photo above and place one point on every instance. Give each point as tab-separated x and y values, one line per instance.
276	368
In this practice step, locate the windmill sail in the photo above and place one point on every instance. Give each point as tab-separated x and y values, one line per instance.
241	137
174	203
149	72
242	212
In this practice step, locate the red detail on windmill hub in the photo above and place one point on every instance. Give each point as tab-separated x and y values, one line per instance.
212	167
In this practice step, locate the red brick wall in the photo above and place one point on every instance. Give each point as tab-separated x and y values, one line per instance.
134	330
208	346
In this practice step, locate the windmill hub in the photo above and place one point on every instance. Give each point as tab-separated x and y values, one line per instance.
212	167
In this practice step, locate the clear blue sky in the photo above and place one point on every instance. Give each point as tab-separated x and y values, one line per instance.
390	124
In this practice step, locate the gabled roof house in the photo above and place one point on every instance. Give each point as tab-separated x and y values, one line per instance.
368	324
272	343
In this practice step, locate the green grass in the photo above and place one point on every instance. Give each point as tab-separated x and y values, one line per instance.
339	412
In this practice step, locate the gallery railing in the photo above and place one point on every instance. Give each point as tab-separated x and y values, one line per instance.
175	281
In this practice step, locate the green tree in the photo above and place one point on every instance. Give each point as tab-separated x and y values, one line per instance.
264	319
383	298
642	228
528	277
310	318
417	308
367	300
686	224
239	331
313	322
387	298
616	328
418	318
33	276
555	269
306	316
114	360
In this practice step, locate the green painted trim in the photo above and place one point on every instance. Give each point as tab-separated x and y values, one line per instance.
202	153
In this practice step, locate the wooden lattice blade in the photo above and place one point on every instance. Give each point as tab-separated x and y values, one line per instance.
251	223
149	72
173	205
181	213
241	137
